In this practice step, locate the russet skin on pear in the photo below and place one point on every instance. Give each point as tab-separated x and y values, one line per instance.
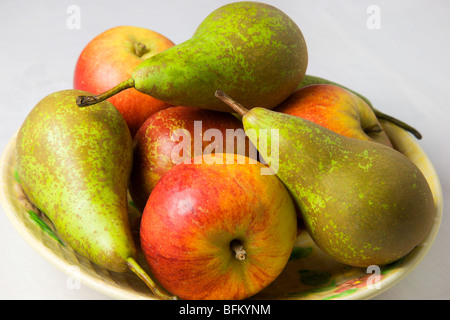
362	202
74	164
265	53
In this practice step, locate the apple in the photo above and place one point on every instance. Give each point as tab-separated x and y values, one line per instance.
218	231
336	109
159	141
109	59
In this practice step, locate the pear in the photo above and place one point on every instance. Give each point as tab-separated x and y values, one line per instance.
74	165
240	47
362	202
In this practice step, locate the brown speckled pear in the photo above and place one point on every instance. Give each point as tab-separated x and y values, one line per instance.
241	47
74	165
362	202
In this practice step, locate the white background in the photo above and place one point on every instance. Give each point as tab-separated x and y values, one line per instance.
403	67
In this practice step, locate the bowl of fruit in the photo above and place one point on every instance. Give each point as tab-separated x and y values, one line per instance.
218	169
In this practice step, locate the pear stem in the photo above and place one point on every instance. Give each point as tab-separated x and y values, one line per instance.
238	248
84	101
230	102
401	124
136	268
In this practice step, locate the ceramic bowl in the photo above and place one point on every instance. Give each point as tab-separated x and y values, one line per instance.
309	274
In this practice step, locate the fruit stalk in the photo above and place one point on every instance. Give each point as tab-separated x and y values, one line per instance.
136	268
84	101
140	49
382	116
236	106
238	249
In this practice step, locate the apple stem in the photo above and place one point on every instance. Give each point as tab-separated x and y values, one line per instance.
238	249
84	101
136	268
374	128
140	49
230	102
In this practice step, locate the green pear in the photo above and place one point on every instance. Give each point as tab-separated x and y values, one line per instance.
362	202
241	47
74	164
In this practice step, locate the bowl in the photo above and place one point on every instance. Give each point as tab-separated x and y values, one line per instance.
309	275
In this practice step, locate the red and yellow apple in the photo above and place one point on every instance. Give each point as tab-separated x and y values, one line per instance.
110	58
218	231
336	109
159	141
